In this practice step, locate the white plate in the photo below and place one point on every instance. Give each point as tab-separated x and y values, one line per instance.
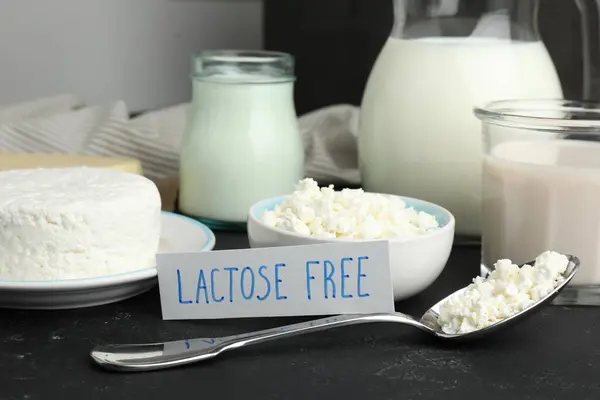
179	235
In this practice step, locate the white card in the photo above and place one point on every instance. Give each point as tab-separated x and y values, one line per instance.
324	279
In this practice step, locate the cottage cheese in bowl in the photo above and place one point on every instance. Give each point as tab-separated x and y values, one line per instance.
420	234
349	213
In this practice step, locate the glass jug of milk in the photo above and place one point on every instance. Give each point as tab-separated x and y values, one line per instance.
418	135
242	142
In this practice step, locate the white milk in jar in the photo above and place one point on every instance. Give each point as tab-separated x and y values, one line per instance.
242	144
540	195
418	135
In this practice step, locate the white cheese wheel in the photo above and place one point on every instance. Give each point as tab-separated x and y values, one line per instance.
69	223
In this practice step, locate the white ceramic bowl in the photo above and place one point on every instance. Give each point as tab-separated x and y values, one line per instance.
415	262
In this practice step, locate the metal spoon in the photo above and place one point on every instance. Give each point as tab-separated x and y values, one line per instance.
146	357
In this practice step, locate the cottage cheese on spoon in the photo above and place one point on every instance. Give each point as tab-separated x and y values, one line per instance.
349	213
505	292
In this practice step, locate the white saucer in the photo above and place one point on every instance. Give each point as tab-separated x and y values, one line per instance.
179	235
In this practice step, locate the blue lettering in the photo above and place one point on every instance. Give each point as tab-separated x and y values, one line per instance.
181	301
231	270
212	286
328	277
344	277
267	282
309	277
278	281
243	285
361	275
201	286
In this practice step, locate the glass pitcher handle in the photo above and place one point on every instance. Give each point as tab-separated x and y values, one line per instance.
590	39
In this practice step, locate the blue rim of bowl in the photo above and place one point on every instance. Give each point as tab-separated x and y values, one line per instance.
107	280
270	203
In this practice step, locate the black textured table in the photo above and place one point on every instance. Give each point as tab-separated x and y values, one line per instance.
554	355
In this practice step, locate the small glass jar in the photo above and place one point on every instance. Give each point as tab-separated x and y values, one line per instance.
541	187
242	142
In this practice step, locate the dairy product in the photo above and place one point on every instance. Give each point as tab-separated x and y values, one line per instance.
242	146
67	223
418	135
543	194
349	213
507	291
10	161
167	186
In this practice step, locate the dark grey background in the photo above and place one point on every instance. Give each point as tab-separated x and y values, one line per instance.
336	42
552	356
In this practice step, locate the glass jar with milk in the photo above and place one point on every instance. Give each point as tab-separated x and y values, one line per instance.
541	187
242	142
418	136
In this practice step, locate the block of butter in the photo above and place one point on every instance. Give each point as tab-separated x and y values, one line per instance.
10	161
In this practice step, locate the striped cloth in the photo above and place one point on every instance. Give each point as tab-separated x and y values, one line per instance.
61	124
330	138
43	107
115	139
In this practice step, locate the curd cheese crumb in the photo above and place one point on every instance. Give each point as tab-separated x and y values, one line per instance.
349	213
507	291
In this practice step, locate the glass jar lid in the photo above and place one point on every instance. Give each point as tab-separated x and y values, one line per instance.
243	66
553	115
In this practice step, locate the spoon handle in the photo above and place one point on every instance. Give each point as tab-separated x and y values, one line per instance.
146	357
